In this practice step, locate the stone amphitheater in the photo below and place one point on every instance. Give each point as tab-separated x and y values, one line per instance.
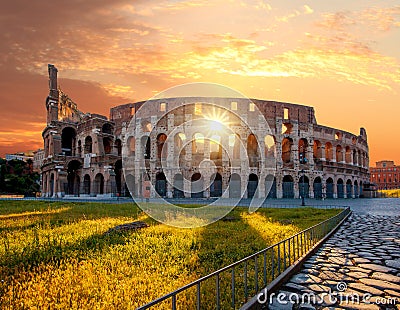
238	148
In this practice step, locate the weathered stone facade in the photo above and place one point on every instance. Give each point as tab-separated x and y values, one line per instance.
83	152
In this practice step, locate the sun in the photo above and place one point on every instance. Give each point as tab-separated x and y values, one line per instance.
218	118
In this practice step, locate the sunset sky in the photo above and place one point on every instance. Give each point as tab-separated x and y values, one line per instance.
341	57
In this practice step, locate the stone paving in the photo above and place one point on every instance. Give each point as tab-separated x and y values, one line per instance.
361	260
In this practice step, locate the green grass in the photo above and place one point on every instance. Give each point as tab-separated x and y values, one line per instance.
56	255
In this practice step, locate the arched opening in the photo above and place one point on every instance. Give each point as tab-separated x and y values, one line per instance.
216	185
198	144
339	154
68	135
235	189
317	185
317	150
130	186
252	150
118	146
107	129
178	186
161	146
86	184
356	194
145	143
118	176
329	188
304	187
88	145
348	155
269	142
79	148
234	146
303	144
107	144
215	148
99	184
349	189
270	186
73	180
340	188
179	142
286	150
52	185
252	185
328	151
132	145
161	184
288	187
197	186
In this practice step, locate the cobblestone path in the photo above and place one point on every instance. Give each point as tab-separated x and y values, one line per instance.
357	268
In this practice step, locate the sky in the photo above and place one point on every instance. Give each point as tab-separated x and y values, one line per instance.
341	57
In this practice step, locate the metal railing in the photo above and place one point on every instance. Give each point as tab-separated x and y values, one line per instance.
233	285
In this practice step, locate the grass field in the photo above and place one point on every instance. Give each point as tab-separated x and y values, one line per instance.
56	255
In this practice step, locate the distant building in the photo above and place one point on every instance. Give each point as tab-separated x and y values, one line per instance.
38	157
20	156
386	175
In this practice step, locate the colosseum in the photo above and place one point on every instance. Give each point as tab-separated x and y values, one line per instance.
285	155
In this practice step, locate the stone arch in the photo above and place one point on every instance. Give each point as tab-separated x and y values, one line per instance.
162	146
215	147
146	146
146	126
288	186
73	178
317	149
340	188
216	185
235	188
198	144
131	145
88	145
317	186
234	144
287	150
68	138
270	146
178	186
52	184
270	186
99	184
179	142
339	154
349	189
328	151
348	155
107	129
118	176
252	150
356	188
197	184
118	146
304	186
86	184
107	145
252	186
161	184
330	188
303	145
